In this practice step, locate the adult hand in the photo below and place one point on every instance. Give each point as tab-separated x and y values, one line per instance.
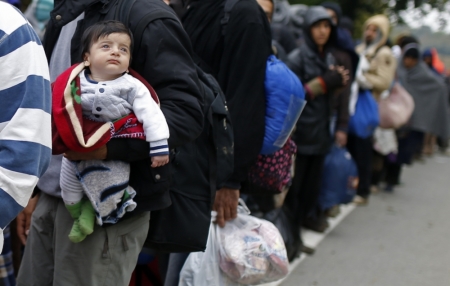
225	205
23	220
333	78
341	138
344	73
98	154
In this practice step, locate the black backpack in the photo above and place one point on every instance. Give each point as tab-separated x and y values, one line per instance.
184	226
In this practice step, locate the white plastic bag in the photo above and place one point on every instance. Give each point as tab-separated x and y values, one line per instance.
1	240
385	141
202	268
247	251
252	250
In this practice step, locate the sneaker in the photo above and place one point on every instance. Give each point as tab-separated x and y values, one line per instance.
360	201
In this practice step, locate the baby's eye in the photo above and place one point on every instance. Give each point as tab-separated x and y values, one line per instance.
105	46
124	50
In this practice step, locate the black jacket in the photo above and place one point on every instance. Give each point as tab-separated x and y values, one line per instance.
164	59
238	62
312	135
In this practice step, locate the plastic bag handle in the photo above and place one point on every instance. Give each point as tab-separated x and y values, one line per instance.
242	207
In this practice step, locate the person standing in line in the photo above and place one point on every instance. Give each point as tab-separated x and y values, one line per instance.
236	55
109	255
345	54
322	75
237	60
377	65
25	123
431	112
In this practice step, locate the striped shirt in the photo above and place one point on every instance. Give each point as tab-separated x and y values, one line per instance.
25	104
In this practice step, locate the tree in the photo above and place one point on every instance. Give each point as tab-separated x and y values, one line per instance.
360	10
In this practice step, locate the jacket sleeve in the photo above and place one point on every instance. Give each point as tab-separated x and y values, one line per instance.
313	87
382	70
247	45
343	116
164	59
25	123
149	114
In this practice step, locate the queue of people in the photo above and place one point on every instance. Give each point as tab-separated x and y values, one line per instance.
158	117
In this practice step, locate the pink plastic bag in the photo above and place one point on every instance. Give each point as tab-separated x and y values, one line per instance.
396	109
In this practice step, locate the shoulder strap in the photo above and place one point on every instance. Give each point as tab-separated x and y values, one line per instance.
123	11
229	5
147	19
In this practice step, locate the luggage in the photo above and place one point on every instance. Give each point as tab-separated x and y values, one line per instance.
339	179
284	104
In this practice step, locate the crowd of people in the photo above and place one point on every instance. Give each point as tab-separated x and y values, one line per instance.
116	135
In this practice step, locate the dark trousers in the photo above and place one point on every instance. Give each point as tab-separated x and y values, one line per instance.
393	173
361	151
378	168
303	195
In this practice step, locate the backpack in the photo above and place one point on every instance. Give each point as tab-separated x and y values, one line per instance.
172	229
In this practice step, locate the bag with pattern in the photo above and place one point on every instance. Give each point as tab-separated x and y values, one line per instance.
271	172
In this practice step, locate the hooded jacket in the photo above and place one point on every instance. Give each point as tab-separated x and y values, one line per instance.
382	68
345	54
312	134
164	59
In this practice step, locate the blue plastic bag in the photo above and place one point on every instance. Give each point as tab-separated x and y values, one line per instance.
339	179
285	100
366	118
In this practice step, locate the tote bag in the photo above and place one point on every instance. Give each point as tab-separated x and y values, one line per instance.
366	117
396	109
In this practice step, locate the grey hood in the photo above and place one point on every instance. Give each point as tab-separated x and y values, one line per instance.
314	15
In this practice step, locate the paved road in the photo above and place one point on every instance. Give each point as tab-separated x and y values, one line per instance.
399	239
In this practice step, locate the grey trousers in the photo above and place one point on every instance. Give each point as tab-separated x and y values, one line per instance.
106	257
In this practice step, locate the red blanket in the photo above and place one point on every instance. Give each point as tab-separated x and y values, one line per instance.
73	132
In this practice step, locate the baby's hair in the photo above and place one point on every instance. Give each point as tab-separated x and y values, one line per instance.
103	29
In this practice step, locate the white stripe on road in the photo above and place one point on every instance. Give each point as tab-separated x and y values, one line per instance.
313	239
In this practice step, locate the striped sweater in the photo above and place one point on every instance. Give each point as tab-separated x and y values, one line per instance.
25	104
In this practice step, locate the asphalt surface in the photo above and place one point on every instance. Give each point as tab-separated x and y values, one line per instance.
399	239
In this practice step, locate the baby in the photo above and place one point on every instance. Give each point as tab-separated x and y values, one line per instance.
106	93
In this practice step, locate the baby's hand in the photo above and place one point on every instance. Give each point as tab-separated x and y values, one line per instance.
159	161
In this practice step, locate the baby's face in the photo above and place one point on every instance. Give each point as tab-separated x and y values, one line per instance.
109	57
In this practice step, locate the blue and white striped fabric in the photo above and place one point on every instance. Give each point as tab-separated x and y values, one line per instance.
25	104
